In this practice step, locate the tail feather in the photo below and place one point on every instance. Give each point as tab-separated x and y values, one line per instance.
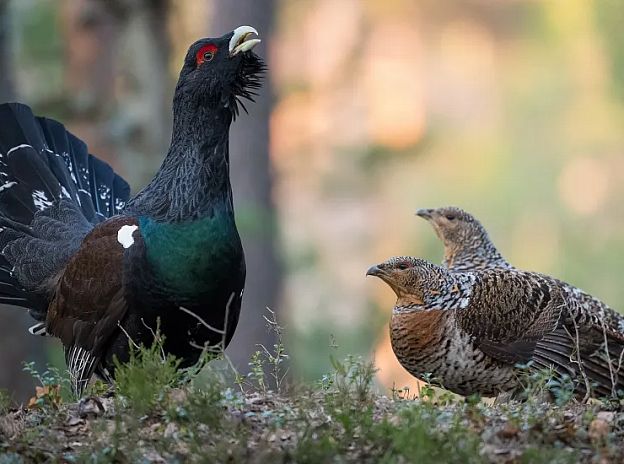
28	184
12	293
88	180
69	155
52	192
59	151
19	127
561	351
108	191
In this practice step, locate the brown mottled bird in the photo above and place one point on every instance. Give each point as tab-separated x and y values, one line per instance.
468	247
470	331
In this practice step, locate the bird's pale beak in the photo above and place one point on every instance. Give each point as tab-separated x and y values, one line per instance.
425	213
374	271
242	40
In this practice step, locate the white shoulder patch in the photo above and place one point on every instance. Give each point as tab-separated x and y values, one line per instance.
124	235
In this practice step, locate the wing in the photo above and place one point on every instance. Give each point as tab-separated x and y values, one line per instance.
520	317
588	346
509	312
587	309
89	301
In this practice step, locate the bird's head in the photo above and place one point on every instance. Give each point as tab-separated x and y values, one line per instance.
454	226
415	281
219	72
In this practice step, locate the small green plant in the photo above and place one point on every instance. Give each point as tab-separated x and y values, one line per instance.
54	388
353	378
268	361
145	380
349	400
426	390
256	371
533	383
200	402
562	389
205	405
538	384
47	396
97	388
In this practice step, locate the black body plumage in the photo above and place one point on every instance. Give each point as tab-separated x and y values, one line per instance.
101	269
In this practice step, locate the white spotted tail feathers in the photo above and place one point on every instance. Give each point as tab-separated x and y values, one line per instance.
52	192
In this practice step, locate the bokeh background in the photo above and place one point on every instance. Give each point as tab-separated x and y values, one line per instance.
372	108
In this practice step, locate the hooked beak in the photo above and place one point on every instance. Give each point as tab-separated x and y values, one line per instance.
374	271
425	213
242	40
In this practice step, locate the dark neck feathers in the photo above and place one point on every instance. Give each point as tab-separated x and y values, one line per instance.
193	180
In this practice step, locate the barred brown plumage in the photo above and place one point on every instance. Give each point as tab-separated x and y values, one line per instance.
468	247
471	331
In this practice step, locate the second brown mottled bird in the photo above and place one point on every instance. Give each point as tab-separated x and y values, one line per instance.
468	247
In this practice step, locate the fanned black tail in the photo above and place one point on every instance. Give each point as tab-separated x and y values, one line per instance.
52	192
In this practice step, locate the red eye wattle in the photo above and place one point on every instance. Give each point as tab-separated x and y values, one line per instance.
206	53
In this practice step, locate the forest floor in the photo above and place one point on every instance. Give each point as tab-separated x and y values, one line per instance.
157	414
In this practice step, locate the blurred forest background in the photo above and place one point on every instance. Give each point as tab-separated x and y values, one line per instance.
372	108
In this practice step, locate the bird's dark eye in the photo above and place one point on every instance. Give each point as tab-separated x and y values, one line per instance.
450	217
208	56
402	266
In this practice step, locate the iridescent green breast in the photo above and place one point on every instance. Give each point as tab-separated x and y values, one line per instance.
194	257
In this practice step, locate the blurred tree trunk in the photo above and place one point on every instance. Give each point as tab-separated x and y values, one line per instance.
118	81
143	117
90	35
18	345
251	182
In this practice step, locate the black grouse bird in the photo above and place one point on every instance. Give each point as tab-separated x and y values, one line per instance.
98	268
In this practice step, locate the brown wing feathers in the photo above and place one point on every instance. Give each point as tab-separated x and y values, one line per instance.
87	308
550	331
509	312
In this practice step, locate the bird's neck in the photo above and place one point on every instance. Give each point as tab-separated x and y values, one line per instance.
478	254
193	181
452	291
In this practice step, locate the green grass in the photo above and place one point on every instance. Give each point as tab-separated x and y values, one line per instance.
146	380
163	413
